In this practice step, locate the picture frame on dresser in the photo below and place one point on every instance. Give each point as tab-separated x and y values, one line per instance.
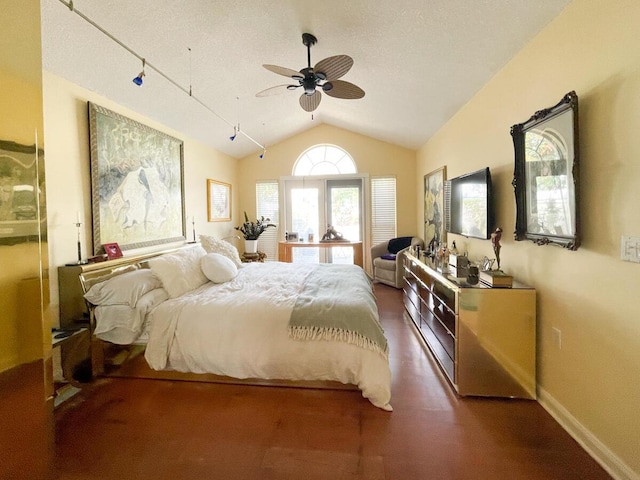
112	250
137	184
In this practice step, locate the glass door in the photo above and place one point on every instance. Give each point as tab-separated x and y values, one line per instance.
344	213
305	216
314	204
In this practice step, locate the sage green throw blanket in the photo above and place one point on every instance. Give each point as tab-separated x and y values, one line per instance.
337	303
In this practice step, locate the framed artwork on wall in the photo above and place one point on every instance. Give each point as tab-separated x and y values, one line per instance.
22	206
137	186
434	232
218	201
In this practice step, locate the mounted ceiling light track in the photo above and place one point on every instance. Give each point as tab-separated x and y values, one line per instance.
138	80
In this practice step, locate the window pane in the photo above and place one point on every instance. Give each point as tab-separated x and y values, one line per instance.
324	160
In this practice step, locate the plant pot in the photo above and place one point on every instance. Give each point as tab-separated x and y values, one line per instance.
251	246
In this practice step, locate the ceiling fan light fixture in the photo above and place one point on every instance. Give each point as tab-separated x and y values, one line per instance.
323	77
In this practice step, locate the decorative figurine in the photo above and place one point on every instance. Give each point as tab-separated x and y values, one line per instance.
332	236
495	241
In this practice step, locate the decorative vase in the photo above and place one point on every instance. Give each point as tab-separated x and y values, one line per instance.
251	246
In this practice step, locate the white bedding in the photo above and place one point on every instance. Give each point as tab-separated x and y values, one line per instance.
239	329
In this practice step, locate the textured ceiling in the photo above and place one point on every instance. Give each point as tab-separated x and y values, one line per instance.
418	61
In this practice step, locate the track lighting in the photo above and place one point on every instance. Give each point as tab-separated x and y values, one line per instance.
138	79
261	156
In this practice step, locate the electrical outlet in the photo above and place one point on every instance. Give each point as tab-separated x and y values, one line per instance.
630	249
556	334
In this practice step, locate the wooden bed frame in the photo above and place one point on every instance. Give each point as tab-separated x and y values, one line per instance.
108	359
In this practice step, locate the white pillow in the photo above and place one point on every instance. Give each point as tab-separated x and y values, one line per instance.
122	324
179	272
125	289
218	268
213	245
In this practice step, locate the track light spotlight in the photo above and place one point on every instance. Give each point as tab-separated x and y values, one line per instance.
235	133
261	156
138	79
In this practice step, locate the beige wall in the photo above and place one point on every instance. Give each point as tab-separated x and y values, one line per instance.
371	156
68	173
592	383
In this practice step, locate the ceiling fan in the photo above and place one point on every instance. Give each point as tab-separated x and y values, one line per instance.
323	76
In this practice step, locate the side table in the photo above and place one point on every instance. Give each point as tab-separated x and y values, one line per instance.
253	257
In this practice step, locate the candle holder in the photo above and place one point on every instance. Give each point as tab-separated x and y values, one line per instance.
193	227
80	260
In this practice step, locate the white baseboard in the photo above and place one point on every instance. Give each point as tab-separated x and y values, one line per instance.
594	447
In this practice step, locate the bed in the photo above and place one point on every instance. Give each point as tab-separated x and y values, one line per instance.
204	312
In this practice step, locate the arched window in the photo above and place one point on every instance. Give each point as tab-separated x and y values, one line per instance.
324	160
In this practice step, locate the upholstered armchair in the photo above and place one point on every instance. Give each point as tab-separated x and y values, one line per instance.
387	258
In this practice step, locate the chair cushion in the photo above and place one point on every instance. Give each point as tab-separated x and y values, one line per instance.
388	256
397	244
381	263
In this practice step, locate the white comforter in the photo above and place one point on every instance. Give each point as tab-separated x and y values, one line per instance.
239	329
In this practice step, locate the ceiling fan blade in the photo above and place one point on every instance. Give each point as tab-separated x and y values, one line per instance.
342	89
310	102
287	72
334	67
278	89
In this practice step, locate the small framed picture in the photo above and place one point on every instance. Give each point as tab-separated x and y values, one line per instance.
218	201
293	237
112	250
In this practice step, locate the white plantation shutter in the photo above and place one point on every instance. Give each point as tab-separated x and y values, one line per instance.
383	209
267	205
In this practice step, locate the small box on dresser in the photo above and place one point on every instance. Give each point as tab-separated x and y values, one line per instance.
496	278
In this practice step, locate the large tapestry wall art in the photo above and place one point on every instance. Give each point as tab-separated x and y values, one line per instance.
137	188
434	232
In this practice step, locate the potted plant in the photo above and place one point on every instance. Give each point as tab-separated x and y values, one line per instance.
252	230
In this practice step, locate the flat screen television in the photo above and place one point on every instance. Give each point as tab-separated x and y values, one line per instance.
468	205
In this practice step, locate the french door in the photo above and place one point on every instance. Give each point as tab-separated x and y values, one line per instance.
312	204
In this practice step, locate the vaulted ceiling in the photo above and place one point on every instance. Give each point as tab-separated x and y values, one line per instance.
418	61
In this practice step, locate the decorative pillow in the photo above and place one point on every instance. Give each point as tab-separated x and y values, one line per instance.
179	272
218	268
213	245
119	324
388	256
397	244
124	289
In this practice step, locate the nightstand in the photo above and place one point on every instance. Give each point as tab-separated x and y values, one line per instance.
66	339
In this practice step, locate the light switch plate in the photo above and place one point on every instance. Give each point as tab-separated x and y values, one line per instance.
630	249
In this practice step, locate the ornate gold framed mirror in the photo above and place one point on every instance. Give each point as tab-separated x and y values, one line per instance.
546	175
